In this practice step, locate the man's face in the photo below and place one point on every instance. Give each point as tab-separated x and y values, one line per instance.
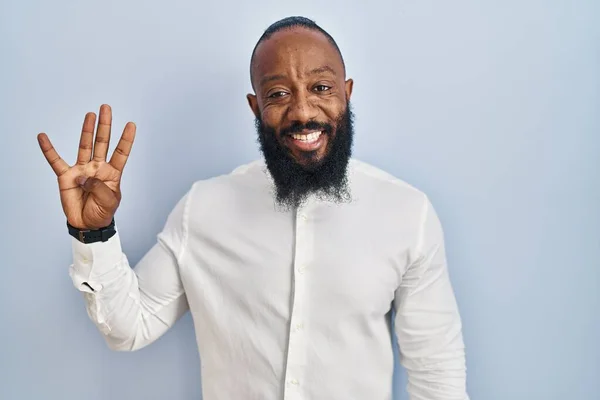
301	106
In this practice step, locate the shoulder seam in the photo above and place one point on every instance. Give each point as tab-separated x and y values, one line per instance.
422	222
185	223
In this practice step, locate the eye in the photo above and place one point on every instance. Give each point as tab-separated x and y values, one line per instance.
278	94
322	88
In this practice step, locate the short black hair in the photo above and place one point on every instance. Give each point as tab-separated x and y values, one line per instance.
291	22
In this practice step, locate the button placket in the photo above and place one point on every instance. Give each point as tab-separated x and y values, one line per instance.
296	358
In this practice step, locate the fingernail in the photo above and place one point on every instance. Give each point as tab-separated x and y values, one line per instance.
81	180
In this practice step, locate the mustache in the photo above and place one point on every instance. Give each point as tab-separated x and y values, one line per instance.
297	127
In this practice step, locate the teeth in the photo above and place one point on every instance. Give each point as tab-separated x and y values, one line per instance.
311	137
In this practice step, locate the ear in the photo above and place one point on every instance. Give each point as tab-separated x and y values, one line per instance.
253	103
349	85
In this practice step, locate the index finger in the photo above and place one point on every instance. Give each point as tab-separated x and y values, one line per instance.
121	153
59	166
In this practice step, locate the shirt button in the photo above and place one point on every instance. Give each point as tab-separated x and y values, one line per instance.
299	326
294	382
303	217
302	269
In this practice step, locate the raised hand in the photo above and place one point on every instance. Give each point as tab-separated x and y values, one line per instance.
90	190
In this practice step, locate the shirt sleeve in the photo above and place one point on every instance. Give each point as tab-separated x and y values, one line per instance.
133	307
427	322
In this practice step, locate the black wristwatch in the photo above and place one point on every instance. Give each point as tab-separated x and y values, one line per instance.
93	236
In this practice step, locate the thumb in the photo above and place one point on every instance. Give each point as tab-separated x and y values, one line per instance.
105	197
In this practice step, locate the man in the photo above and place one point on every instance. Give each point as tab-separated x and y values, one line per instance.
290	266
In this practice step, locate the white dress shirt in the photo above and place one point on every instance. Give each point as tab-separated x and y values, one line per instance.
290	304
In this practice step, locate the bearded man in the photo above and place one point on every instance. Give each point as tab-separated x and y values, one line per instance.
292	266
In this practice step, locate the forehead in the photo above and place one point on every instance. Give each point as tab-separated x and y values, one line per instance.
296	50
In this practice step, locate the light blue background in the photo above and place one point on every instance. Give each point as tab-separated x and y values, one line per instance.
492	108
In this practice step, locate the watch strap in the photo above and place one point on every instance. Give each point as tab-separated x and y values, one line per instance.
93	235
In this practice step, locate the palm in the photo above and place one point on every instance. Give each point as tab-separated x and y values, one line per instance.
80	208
95	208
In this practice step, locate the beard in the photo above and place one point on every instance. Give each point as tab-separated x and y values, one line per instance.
326	178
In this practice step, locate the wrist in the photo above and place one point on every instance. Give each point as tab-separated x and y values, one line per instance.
92	235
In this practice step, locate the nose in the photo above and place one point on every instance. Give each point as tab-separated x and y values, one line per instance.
301	108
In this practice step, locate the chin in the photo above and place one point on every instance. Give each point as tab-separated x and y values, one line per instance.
310	160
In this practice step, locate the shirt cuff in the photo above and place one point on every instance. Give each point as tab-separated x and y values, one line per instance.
93	260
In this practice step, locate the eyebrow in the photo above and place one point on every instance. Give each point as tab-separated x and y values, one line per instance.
320	70
270	78
316	71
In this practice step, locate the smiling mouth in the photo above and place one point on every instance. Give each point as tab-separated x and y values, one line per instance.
307	138
309	141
